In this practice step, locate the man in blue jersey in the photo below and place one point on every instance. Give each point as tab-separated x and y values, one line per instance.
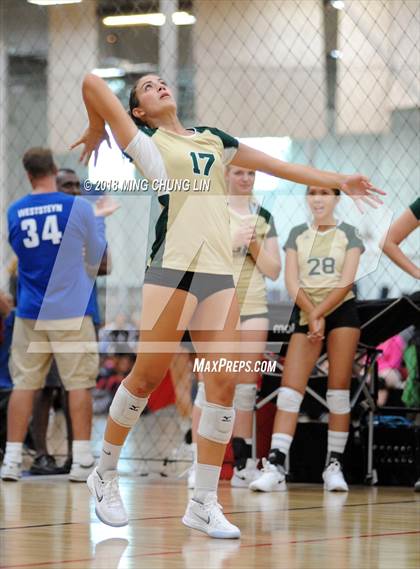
68	182
53	235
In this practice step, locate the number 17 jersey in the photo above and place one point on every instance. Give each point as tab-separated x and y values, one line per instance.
187	173
321	256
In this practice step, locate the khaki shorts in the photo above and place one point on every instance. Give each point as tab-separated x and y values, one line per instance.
75	351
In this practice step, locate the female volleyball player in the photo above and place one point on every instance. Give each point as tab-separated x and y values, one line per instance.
256	255
400	230
322	258
189	280
402	227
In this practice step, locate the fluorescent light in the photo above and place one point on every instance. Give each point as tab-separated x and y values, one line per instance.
53	2
183	19
156	19
337	4
108	72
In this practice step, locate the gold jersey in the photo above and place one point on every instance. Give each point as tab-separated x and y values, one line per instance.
321	258
249	281
187	172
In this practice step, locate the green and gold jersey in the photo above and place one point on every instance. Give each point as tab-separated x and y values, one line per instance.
187	172
415	208
249	281
321	258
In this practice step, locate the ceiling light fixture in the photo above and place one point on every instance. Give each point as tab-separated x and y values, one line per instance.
154	19
183	19
108	72
53	2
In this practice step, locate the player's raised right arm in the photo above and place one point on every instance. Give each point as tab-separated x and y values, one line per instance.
102	107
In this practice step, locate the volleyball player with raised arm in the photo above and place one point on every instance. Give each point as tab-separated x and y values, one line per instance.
322	258
189	281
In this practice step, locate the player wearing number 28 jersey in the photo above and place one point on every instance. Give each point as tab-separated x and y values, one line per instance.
320	257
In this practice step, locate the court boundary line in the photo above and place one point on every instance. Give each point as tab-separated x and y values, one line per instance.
244	546
233	513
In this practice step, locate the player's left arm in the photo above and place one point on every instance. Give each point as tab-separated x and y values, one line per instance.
400	230
356	186
348	276
266	255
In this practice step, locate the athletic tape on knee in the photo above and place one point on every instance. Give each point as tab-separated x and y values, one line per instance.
216	422
245	394
200	398
338	401
126	408
289	400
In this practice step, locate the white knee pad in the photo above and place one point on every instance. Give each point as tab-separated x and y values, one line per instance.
126	408
216	422
200	398
289	400
245	394
338	401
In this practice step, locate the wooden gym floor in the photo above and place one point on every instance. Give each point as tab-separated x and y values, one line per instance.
50	523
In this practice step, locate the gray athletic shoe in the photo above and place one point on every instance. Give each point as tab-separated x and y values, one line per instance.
11	471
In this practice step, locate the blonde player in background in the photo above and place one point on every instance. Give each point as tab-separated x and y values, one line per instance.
256	256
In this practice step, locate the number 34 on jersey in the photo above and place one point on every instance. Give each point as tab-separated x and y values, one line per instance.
38	230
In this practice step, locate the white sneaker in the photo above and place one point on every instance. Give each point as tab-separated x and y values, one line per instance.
191	477
243	478
109	506
11	471
272	479
80	472
209	518
334	479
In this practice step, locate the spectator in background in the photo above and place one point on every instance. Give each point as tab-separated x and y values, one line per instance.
6	327
389	367
113	370
120	332
68	182
53	234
